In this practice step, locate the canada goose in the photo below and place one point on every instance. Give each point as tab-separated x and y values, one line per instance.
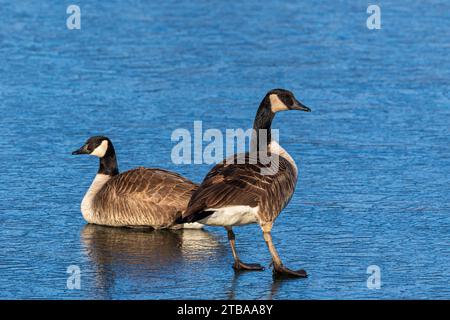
236	193
140	197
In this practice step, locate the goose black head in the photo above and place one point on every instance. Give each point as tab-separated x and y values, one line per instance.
282	100
98	146
274	101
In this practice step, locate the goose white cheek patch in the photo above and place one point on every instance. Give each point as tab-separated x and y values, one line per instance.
101	149
276	104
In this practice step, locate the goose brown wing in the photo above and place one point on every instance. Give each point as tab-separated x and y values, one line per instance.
243	184
145	196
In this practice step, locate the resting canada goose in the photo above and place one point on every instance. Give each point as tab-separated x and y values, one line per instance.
235	193
140	197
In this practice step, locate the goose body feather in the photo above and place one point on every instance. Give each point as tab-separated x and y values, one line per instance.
232	193
138	197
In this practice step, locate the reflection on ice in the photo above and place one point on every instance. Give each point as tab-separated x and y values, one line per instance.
143	253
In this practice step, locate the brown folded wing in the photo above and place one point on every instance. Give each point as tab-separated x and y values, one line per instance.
143	197
244	184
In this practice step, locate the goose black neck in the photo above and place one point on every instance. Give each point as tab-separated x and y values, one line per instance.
108	163
263	122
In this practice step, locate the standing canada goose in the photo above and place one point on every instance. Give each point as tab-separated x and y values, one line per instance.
236	193
140	197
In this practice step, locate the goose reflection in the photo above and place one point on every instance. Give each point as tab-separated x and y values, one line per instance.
142	254
238	281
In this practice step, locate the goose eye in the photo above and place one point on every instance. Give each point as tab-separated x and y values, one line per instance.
288	101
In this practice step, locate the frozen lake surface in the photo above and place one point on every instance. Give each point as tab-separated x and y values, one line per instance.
373	156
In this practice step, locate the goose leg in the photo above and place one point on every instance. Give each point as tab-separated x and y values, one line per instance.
279	270
238	264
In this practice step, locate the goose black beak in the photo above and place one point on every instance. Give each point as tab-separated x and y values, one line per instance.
300	106
82	150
